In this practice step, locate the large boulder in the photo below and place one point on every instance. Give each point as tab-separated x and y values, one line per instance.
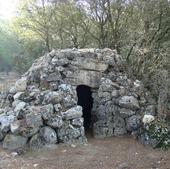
12	142
69	134
20	127
33	120
5	121
36	142
46	136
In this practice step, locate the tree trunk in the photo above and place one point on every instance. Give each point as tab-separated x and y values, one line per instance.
163	97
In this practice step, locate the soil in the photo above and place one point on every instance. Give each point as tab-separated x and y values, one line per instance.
109	153
7	80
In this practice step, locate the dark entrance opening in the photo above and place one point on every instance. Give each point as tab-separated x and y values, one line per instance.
85	100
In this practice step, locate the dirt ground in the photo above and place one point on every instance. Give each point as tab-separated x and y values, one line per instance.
110	153
7	80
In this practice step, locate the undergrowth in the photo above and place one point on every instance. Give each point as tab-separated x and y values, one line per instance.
159	130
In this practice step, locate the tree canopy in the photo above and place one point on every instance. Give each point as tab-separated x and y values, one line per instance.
8	45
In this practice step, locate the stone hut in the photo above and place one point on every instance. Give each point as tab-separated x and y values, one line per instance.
70	92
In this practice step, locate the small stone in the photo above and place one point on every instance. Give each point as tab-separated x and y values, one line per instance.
73	145
126	113
20	106
123	166
53	97
57	107
47	111
150	110
115	93
55	122
1	111
15	103
15	127
146	140
66	88
5	121
1	135
120	131
104	96
100	129
119	126
69	102
18	95
133	122
48	135
129	102
36	165
52	53
29	131
147	119
12	90
53	77
122	91
75	112
68	134
21	85
33	120
14	154
78	122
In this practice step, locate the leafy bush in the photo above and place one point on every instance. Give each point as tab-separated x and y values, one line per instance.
159	131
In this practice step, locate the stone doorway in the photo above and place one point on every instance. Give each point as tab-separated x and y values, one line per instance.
85	100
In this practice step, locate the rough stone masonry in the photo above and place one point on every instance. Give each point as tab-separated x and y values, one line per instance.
41	108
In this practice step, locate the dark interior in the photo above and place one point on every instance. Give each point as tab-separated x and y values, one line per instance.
85	100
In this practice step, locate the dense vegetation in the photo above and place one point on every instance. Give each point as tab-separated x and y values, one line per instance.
138	29
8	46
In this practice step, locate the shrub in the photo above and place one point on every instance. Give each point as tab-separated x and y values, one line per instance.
159	130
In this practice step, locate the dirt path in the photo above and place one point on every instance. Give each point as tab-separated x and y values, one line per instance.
110	153
6	81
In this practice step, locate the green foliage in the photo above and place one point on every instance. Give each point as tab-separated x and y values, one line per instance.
116	24
159	130
31	50
8	45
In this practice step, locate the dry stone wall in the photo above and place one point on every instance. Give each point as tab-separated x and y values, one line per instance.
41	108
